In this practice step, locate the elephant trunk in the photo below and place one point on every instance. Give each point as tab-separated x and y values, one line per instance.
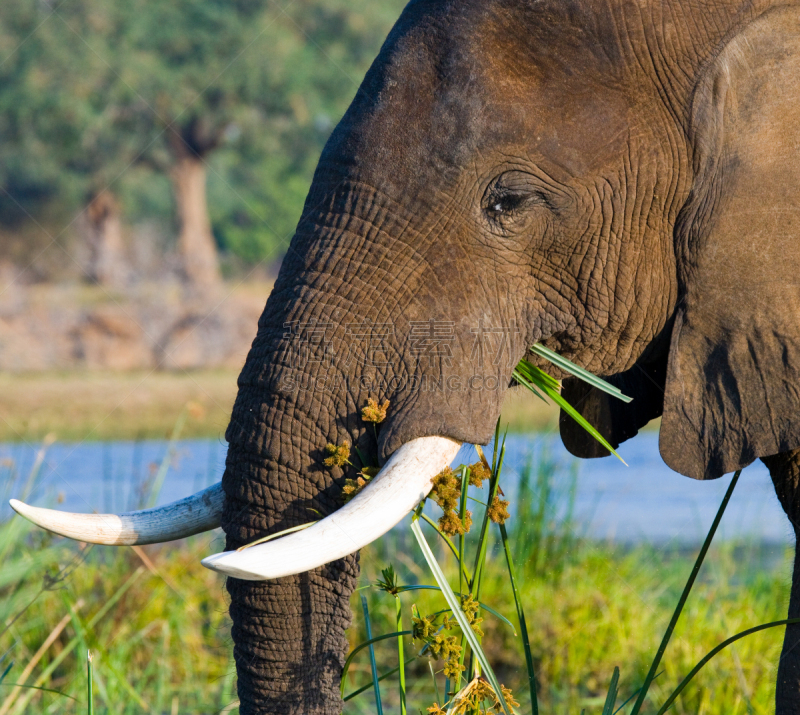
294	399
288	633
355	314
289	640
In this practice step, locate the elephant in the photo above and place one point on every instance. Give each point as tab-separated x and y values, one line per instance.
616	180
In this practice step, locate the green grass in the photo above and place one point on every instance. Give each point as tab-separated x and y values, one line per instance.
165	639
106	405
471	685
157	623
609	607
162	646
592	607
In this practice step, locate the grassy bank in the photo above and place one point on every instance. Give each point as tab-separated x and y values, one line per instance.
78	406
155	620
97	405
602	607
590	607
157	623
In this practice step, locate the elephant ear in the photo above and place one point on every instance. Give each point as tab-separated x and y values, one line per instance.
614	419
733	378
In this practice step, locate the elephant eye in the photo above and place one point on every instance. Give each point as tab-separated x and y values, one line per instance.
504	205
509	200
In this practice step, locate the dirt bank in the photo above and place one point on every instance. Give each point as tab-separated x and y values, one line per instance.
156	326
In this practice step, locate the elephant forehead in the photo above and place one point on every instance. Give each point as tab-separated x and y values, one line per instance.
457	86
559	83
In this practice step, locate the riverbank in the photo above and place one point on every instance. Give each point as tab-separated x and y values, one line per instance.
165	326
103	405
145	404
157	624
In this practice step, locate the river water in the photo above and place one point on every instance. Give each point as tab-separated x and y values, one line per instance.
644	501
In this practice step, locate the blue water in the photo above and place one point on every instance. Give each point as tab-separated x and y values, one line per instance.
644	501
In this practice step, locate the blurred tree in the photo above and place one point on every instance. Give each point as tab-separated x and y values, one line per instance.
185	85
107	265
237	94
317	52
60	148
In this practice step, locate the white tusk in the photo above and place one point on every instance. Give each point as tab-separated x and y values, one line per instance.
403	483
192	515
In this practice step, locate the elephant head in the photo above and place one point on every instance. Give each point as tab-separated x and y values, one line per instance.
614	180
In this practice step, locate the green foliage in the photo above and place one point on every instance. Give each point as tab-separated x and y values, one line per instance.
52	117
97	94
538	381
543	529
159	629
476	689
603	607
622	628
155	623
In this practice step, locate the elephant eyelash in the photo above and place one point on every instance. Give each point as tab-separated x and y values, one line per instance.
507	204
504	205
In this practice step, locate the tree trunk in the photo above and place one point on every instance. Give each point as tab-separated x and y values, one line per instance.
104	237
196	242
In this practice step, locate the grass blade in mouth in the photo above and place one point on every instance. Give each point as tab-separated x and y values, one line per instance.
538	381
579	372
527	375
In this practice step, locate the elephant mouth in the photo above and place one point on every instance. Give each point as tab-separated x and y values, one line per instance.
404	481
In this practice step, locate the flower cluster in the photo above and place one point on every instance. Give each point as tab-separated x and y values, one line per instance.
446	489
450	523
471	607
472	697
374	412
508	696
477	473
354	486
446	493
498	510
441	646
339	455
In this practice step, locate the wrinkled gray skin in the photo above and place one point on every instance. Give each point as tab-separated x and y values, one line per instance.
616	180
